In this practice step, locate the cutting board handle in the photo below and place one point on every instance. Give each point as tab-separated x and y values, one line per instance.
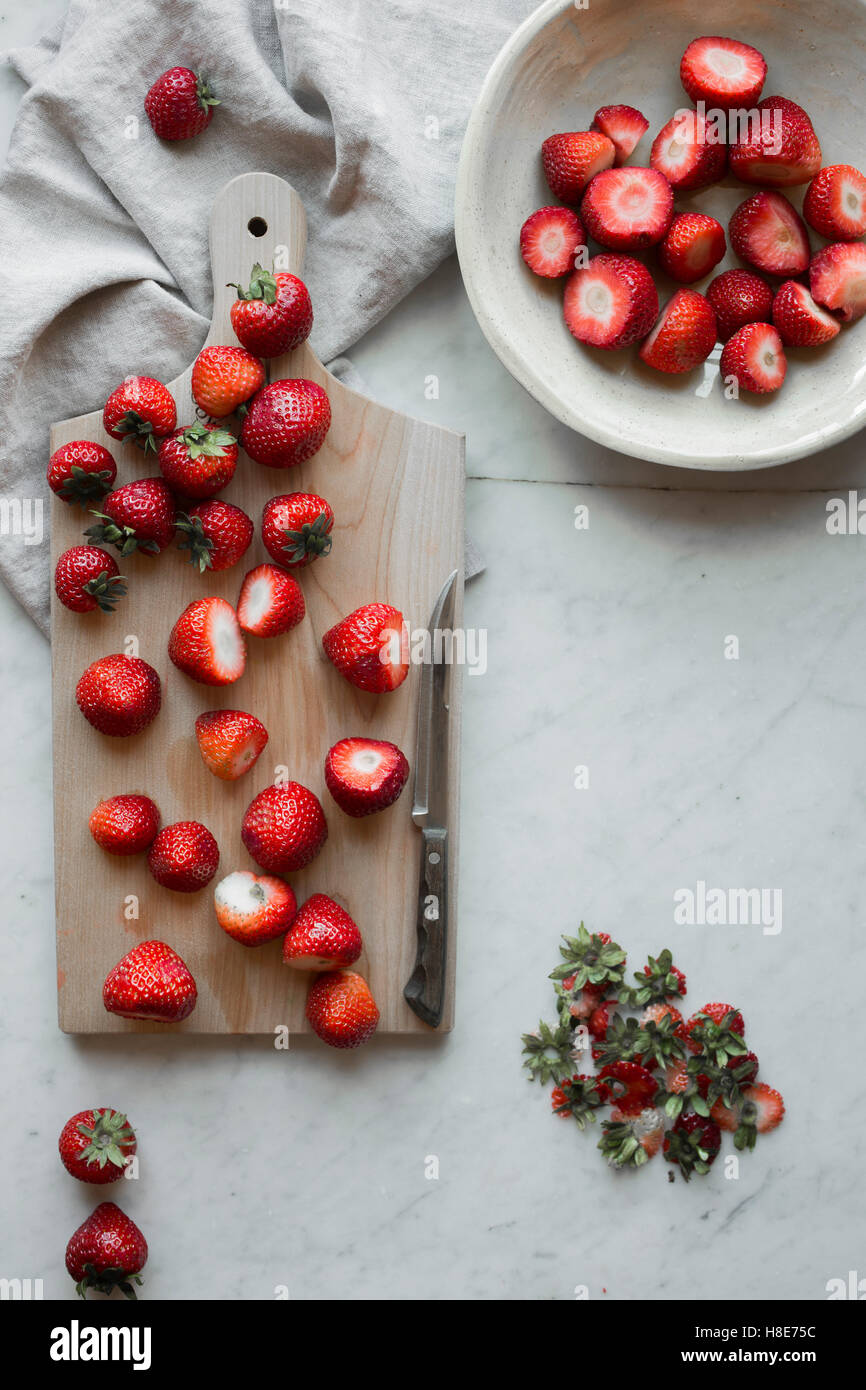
255	217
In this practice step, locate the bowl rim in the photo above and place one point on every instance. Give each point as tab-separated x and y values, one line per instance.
468	242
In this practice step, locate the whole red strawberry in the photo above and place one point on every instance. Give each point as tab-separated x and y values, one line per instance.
296	528
230	741
95	1144
284	827
215	533
138	516
369	647
184	856
87	578
107	1252
224	377
364	775
81	472
119	695
717	1030
341	1010
207	644
273	314
125	824
200	460
150	982
322	937
142	409
180	104
286	423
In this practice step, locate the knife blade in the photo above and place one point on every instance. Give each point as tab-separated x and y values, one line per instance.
425	989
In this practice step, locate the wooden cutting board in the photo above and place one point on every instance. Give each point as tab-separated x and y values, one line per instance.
396	487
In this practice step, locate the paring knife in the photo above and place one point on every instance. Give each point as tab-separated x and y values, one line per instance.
425	990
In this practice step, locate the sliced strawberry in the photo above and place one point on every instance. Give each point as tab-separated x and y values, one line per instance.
684	336
693	246
800	321
688	152
549	239
628	208
739	297
270	601
837	278
722	72
571	158
611	303
762	1109
835	203
769	1106
599	1019
631	1137
365	775
755	358
778	145
207	644
769	233
624	125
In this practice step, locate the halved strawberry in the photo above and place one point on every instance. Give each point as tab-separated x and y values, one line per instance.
624	125
800	321
230	741
755	358
835	203
207	644
693	246
370	647
778	146
570	159
270	601
837	278
611	303
739	297
626	209
722	72
688	152
770	234
365	775
715	1029
548	240
684	336
762	1110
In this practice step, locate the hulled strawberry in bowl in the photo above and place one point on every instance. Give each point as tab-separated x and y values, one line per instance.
661	230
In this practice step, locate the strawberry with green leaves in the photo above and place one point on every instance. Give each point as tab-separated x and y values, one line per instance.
87	578
140	409
273	314
632	1087
81	472
631	1138
579	1096
198	461
216	533
180	104
95	1145
547	1053
140	516
762	1109
296	528
693	1144
624	1041
658	981
716	1031
107	1252
590	960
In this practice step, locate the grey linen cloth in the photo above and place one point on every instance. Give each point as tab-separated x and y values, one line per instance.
104	269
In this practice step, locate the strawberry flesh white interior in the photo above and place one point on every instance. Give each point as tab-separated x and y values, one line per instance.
601	301
363	767
730	71
851	204
677	151
258	600
762	355
241	894
226	641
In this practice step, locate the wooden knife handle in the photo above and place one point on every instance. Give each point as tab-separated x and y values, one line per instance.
425	991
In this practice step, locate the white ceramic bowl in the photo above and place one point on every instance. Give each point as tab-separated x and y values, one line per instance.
552	75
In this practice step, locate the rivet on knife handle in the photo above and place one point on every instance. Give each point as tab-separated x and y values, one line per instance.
425	991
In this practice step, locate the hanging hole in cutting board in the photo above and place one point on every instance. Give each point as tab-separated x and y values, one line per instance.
257	226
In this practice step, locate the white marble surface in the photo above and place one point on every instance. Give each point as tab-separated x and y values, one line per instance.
606	648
